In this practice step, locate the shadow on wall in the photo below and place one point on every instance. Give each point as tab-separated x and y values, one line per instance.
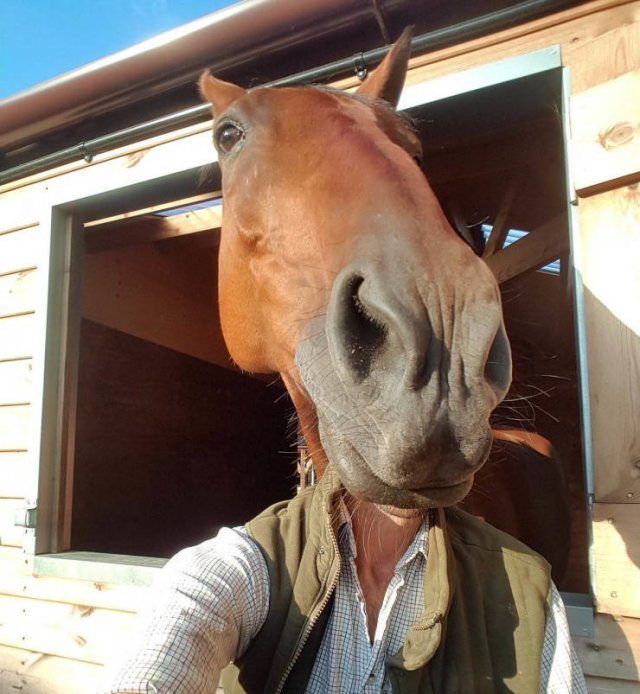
614	384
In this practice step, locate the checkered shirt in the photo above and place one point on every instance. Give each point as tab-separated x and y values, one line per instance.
211	600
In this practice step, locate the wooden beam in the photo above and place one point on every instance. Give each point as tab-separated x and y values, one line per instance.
539	247
605	144
174	204
500	229
151	228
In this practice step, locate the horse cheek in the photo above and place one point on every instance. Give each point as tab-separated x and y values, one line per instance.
241	327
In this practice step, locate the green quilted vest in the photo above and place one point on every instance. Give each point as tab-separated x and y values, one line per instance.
485	598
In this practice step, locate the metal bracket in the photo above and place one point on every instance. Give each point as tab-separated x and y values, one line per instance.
26	517
84	151
579	608
360	67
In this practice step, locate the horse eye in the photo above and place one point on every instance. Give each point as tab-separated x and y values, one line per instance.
228	136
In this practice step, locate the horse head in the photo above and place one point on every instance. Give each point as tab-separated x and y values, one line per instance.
339	270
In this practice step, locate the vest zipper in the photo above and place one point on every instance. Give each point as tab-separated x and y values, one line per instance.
315	616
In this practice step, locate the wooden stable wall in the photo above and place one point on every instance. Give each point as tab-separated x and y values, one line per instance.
55	632
167	296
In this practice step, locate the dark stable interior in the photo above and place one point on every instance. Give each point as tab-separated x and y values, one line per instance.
169	448
172	442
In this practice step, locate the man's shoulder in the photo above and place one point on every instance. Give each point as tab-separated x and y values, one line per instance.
314	501
479	536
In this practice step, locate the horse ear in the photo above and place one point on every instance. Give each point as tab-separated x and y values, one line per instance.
387	80
219	93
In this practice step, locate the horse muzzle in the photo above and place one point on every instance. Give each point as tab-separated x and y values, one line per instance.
404	372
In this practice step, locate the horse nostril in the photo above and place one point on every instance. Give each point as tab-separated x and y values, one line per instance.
497	369
362	335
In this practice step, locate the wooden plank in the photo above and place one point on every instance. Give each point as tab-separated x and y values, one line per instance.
28	672
152	228
540	246
17	293
10	534
605	685
609	264
154	209
122	598
9	229
17	337
19	250
613	651
616	553
15	381
15	475
70	631
605	145
607	55
13	562
15	422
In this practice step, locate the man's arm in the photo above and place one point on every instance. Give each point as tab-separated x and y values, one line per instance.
207	604
560	671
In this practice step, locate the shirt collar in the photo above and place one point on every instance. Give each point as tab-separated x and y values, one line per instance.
417	546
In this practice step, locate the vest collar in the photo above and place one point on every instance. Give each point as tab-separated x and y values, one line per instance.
424	637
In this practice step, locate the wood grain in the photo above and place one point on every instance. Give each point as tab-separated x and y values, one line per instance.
124	598
605	145
609	263
613	651
616	529
605	56
71	631
29	672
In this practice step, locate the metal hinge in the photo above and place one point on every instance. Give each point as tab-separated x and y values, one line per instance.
27	516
